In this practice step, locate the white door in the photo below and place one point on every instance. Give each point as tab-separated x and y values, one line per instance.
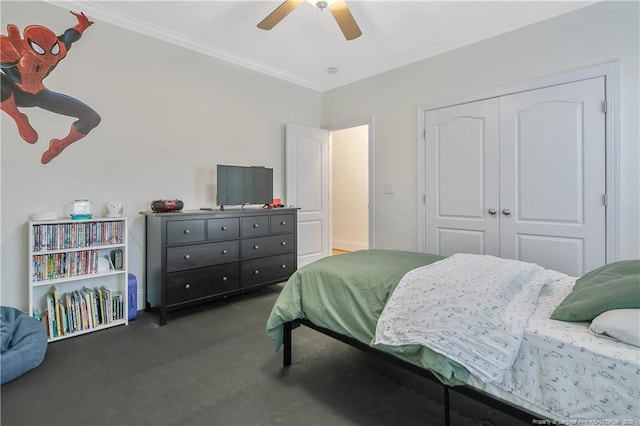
307	188
462	196
521	176
552	167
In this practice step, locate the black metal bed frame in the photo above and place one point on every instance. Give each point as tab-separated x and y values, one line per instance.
491	401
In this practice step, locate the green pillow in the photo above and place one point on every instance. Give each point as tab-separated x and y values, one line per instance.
612	286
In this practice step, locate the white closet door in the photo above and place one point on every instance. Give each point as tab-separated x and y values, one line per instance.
462	179
552	176
307	187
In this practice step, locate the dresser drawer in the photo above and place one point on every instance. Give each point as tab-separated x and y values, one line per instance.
199	255
282	223
266	246
185	231
199	283
254	225
267	269
223	229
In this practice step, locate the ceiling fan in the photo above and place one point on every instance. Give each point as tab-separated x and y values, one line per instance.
338	9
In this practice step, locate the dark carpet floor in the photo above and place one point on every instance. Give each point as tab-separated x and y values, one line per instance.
213	365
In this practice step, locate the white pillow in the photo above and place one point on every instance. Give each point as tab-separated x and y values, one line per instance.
621	324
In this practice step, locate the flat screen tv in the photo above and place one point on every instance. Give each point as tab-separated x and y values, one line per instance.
240	185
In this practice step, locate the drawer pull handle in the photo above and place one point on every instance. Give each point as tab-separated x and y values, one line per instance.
224	228
225	278
283	223
187	257
187	286
256	272
284	243
255	225
256	247
283	266
187	232
224	251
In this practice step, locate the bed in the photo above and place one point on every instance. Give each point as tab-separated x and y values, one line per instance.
553	370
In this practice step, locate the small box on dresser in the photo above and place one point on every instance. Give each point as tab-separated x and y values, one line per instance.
195	256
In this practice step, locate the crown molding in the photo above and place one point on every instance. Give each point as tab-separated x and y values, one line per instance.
97	11
497	29
105	14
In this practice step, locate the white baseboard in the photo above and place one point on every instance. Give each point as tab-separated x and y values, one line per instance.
349	245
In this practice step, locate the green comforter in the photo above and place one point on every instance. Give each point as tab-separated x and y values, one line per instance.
347	293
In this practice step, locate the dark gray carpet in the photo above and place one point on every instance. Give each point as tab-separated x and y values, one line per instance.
213	365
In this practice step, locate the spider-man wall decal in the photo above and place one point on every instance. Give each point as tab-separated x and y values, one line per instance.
25	63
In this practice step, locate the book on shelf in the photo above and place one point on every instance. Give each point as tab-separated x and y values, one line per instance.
56	310
82	309
100	297
64	265
117	305
86	303
75	307
95	314
64	325
77	235
106	300
68	305
51	317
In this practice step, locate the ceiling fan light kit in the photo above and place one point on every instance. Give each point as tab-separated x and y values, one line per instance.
338	9
322	5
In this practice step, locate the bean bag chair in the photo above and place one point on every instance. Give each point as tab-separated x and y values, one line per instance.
23	343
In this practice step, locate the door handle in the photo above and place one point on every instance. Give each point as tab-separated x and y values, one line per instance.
492	211
506	211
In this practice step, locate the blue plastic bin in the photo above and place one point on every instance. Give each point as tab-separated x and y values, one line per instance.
133	297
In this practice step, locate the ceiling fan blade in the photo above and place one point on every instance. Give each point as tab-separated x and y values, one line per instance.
279	14
345	20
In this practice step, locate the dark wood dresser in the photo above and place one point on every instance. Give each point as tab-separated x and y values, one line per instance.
195	256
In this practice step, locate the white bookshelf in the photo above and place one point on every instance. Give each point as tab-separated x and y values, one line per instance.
71	259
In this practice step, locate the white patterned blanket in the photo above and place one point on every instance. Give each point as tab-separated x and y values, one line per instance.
470	308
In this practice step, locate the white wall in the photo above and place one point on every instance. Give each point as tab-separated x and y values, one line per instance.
169	115
350	188
604	32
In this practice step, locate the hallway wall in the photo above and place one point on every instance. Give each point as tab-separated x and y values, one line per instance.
350	188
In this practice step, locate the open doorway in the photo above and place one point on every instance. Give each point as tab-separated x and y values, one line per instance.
350	199
309	186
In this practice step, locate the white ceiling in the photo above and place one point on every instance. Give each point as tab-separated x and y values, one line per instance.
307	42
